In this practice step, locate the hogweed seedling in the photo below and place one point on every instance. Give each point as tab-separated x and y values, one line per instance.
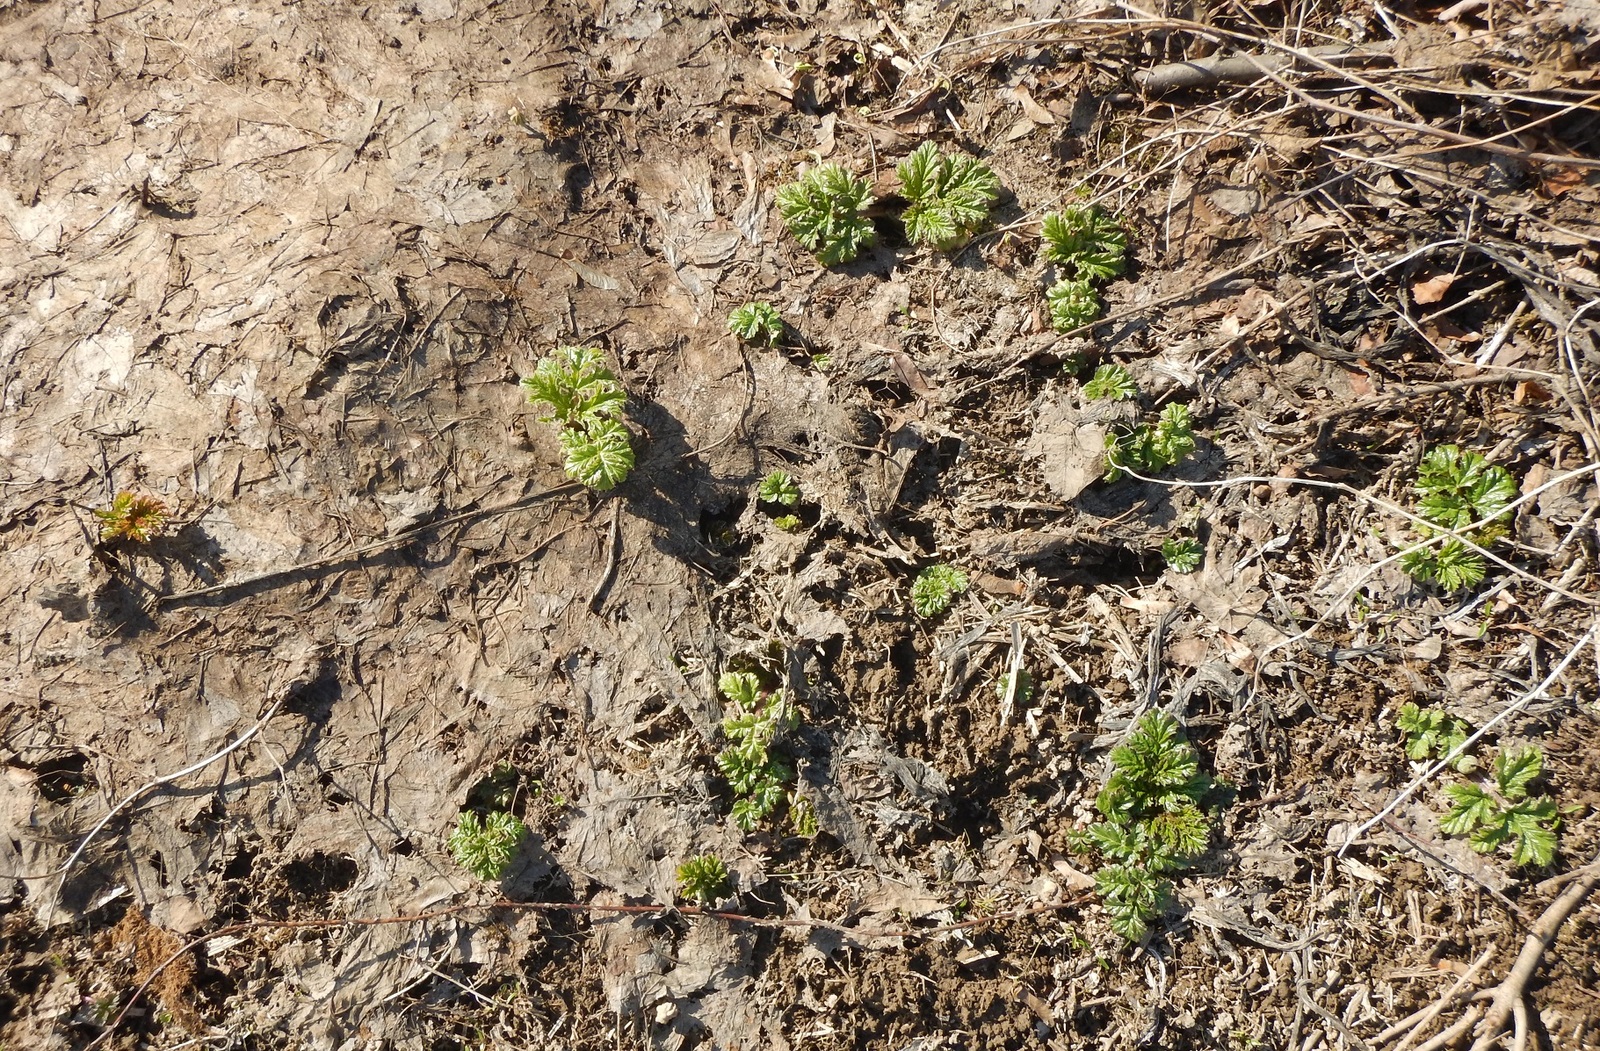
1458	488
1153	824
1111	383
1147	449
779	487
484	845
788	523
139	519
584	398
1182	554
936	588
704	879
1073	304
756	323
1024	687
823	210
758	775
1087	240
1434	732
949	196
1502	811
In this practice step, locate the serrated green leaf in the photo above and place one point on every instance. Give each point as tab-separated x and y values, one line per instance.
740	687
1072	304
599	454
823	211
1470	806
948	197
1111	382
1514	771
1487	837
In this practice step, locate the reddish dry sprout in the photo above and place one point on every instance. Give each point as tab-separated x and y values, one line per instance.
130	517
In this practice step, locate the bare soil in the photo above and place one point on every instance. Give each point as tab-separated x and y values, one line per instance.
282	266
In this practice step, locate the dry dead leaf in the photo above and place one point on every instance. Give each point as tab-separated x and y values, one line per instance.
1432	290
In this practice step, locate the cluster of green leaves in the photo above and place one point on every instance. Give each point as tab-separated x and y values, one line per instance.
753	762
823	210
1434	733
1182	554
1502	811
484	844
1113	383
703	878
136	518
584	399
1458	490
1094	247
1147	449
780	488
1153	824
756	323
936	588
948	196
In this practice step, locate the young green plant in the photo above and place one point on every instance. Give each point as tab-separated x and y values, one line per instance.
935	589
485	844
703	879
584	399
1182	554
1501	810
756	323
1148	449
138	519
1085	241
948	196
823	210
1458	491
1153	823
1433	733
1112	383
753	762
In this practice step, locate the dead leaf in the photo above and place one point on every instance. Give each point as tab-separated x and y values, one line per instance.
1432	290
1034	112
1554	181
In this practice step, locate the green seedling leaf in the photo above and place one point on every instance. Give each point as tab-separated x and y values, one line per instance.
756	323
484	846
779	487
1514	771
1087	241
948	196
936	588
1182	554
599	454
703	879
1073	304
823	211
1111	383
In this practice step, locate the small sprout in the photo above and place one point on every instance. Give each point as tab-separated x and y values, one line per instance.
1024	687
1503	812
584	398
1458	488
822	362
788	523
757	776
136	518
823	210
1147	450
1152	826
936	588
949	196
779	487
756	323
703	879
1183	554
1087	240
484	846
1111	382
1072	365
1073	304
803	816
1434	733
